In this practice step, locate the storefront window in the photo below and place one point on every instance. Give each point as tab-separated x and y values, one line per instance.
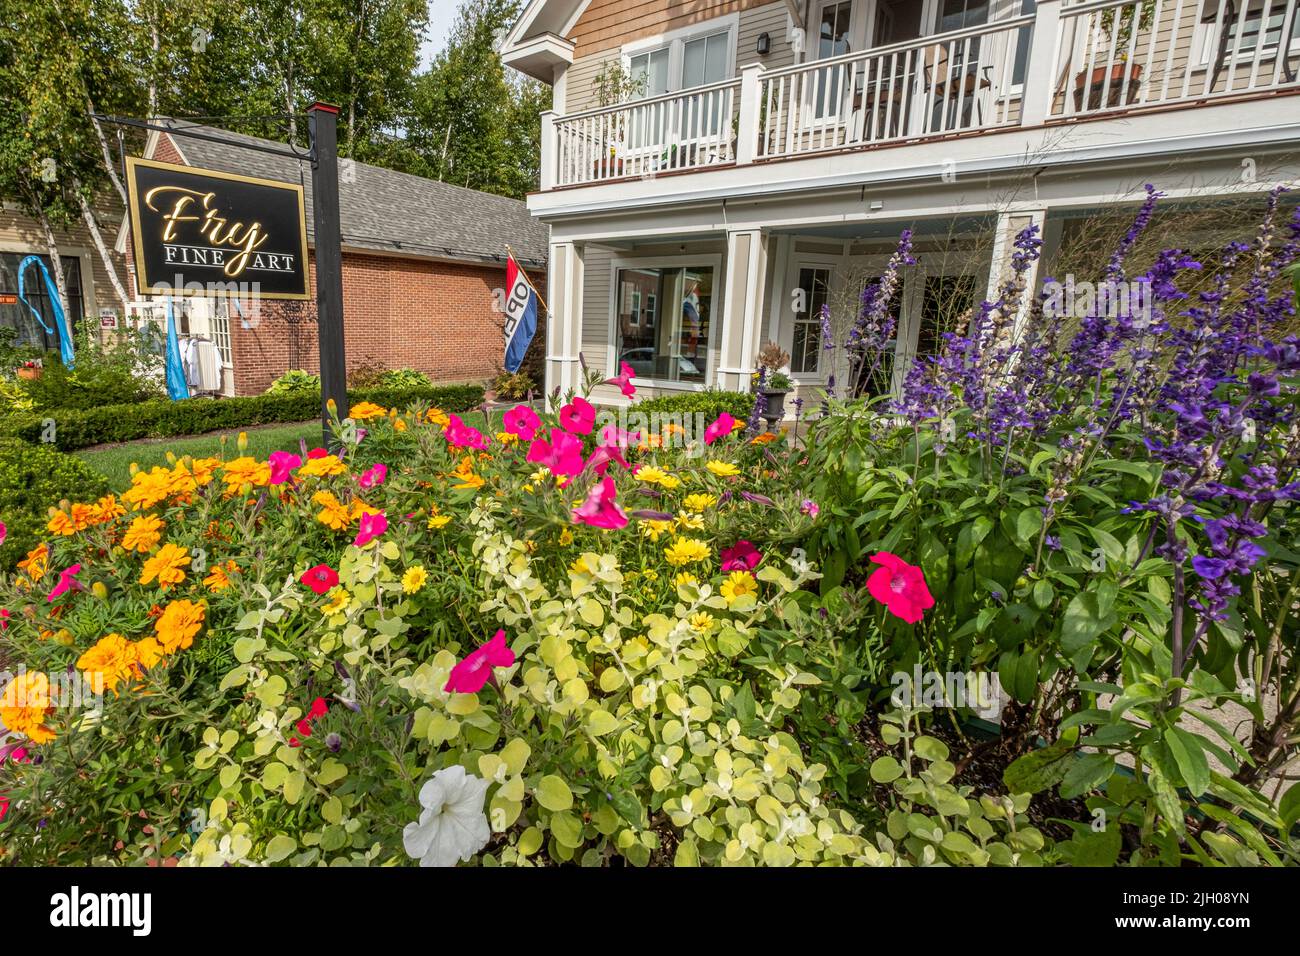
14	315
672	346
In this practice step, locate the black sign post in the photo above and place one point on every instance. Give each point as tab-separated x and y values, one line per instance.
323	121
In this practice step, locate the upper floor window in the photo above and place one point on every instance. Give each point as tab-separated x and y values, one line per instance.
1226	29
689	58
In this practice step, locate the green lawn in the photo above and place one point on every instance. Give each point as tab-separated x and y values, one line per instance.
115	463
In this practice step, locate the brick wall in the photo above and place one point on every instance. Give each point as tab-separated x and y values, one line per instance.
398	312
437	317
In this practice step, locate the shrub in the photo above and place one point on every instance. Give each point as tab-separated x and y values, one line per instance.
166	419
404	378
513	386
32	480
118	374
293	381
710	402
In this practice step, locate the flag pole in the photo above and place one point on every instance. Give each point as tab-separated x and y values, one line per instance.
524	272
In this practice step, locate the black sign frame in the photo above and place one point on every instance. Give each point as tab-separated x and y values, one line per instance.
281	198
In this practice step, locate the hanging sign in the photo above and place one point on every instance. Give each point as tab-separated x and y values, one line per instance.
200	232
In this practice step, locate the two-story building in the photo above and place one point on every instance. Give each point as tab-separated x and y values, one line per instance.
716	170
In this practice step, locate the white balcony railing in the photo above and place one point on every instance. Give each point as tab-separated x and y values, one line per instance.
1127	54
1066	61
677	131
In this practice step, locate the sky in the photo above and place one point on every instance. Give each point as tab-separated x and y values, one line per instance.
441	15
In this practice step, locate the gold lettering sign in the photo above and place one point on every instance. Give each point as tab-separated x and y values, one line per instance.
196	231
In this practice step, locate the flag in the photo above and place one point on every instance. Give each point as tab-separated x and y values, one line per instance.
66	352
177	387
521	314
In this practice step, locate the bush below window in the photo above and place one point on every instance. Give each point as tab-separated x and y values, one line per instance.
31	481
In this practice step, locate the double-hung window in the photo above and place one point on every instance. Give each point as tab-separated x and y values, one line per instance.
701	55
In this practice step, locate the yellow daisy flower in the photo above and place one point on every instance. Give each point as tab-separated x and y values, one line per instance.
702	621
739	586
723	469
339	600
699	502
414	579
686	551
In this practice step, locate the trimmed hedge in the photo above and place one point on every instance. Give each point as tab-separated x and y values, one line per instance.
32	480
712	402
160	418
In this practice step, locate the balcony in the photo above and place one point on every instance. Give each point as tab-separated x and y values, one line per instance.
1067	62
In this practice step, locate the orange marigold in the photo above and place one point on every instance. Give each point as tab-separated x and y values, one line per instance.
61	524
143	534
167	566
110	662
37	562
366	410
322	467
334	513
246	471
180	621
25	702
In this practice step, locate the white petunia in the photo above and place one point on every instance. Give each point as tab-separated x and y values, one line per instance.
452	826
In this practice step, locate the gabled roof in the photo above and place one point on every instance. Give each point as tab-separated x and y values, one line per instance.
383	210
538	42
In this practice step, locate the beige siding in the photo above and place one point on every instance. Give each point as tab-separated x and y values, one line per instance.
611	23
21	233
580	93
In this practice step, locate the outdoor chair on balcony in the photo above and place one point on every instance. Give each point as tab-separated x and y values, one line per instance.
960	93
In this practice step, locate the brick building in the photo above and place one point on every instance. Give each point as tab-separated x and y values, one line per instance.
422	265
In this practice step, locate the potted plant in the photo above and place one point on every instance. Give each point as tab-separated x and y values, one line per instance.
615	85
30	370
771	383
1121	79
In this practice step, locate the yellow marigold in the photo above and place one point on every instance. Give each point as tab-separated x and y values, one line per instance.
202	470
25	702
723	469
689	522
322	467
334	513
468	482
699	502
686	551
701	621
60	523
360	509
399	424
652	529
566	538
763	439
672	428
739	585
649	442
339	600
148	488
439	521
414	579
110	662
181	484
437	416
362	411
218	578
507	438
143	534
148	652
178	624
167	566
246	471
36	563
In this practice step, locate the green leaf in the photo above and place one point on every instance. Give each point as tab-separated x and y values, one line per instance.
601	721
1096	848
886	769
1289	807
1039	770
1189	755
554	794
279	847
1087	773
1083	623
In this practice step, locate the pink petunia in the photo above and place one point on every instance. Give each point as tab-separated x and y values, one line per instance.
600	459
900	587
720	428
4	532
372	526
469	675
742	557
618	437
4	619
461	435
522	421
316	453
320	578
67	582
562	454
600	510
374	476
624	380
578	417
282	466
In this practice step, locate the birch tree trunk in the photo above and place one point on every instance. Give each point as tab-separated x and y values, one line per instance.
107	154
56	262
92	224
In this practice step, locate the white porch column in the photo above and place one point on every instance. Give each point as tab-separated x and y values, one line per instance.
747	131
550	151
1039	84
564	289
742	308
1009	225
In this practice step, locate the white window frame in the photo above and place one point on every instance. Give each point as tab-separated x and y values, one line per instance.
711	260
798	262
1205	41
675	41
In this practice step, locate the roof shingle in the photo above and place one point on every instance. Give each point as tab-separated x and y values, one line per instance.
386	210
